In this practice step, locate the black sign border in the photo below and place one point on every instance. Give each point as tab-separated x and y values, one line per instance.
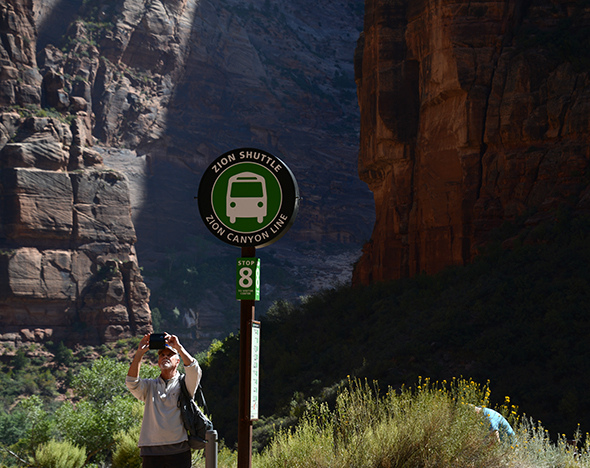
289	206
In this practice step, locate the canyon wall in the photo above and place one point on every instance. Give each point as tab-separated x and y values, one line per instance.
68	268
472	114
122	105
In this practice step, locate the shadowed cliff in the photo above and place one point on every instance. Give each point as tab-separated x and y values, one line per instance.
472	114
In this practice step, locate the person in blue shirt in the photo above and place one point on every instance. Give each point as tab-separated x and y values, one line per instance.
498	423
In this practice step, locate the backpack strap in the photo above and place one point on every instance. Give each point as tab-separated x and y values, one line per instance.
199	390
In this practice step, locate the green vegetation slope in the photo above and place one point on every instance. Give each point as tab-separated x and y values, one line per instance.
518	317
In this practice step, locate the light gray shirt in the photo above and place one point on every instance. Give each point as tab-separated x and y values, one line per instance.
162	422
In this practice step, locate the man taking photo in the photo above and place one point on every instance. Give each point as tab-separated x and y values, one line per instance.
163	438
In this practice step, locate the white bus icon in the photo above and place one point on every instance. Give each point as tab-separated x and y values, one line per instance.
246	197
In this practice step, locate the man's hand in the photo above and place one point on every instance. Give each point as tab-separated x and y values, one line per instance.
144	346
174	342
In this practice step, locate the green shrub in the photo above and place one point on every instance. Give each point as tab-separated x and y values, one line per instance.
54	454
20	361
39	421
432	425
424	427
94	426
13	427
102	381
126	453
63	355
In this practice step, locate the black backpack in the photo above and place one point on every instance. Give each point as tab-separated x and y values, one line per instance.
194	420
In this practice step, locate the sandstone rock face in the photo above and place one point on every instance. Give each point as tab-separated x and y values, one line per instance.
68	269
165	87
472	114
19	78
185	80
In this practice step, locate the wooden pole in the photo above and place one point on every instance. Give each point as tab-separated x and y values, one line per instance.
247	312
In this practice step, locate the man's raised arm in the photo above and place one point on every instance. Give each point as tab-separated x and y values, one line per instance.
144	346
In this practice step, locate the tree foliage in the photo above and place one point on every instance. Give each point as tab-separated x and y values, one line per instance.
101	408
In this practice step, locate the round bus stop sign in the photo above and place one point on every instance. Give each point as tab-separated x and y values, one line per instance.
248	198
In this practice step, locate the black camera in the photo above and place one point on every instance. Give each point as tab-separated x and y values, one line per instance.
157	341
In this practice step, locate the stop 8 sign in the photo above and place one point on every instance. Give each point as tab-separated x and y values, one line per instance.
248	198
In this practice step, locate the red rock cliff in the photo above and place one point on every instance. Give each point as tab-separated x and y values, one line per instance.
68	268
472	113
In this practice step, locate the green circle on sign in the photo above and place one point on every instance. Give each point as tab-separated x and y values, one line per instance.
246	197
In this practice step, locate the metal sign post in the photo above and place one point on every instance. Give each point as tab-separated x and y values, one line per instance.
244	422
248	198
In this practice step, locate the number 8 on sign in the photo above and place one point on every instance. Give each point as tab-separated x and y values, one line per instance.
245	280
248	279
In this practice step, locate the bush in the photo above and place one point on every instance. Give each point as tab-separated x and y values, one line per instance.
13	427
20	361
126	453
102	381
427	427
94	426
63	355
54	454
433	425
38	420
